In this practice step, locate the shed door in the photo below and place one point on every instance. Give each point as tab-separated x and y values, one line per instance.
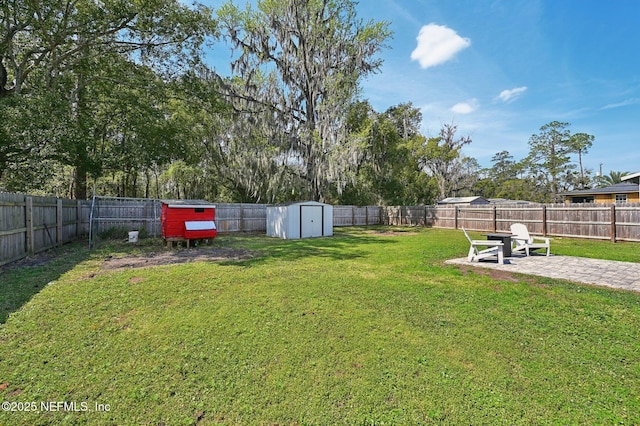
310	221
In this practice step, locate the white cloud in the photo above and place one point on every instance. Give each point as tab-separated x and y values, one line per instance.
465	107
512	94
624	103
437	44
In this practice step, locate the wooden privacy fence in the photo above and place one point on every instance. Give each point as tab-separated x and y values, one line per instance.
145	214
615	222
29	225
384	215
241	217
357	216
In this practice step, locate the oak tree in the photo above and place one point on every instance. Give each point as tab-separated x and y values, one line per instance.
298	67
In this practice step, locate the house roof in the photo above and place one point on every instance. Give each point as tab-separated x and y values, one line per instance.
508	201
481	200
633	177
464	200
618	188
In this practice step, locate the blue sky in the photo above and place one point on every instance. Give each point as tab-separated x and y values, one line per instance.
502	69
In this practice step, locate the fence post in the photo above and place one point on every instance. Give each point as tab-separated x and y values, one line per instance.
59	222
28	213
494	219
241	218
613	223
366	215
353	215
544	220
78	218
455	217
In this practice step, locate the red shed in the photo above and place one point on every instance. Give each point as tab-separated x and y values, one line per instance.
188	220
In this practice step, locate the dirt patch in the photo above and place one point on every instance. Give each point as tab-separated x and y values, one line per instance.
175	257
39	259
495	274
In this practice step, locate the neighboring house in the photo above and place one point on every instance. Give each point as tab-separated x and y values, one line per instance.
474	201
510	202
465	201
633	178
624	192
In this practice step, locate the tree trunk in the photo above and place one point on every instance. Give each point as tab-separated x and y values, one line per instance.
79	146
156	175
3	79
147	183
81	181
134	185
581	169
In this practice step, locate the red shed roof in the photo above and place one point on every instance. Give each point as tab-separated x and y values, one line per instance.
188	204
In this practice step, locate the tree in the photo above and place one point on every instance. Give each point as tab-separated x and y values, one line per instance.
65	48
57	35
441	158
504	167
580	143
389	170
299	67
467	177
26	128
612	178
549	155
509	179
493	179
183	181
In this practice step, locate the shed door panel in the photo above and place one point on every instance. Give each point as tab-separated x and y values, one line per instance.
310	221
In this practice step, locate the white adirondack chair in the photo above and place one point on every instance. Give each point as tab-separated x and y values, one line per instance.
522	241
495	248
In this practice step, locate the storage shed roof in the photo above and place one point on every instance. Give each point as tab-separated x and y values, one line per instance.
293	203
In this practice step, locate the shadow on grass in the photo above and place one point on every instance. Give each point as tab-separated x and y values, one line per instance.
21	280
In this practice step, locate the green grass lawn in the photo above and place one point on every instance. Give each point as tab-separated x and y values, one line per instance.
361	328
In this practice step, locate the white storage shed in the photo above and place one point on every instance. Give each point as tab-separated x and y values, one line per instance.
300	220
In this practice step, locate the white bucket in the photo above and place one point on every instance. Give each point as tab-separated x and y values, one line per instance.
133	236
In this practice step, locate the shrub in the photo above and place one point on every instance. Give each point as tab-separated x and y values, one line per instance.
114	233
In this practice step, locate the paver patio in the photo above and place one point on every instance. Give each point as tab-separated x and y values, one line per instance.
615	274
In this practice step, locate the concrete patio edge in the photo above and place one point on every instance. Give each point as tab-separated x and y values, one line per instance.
609	273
